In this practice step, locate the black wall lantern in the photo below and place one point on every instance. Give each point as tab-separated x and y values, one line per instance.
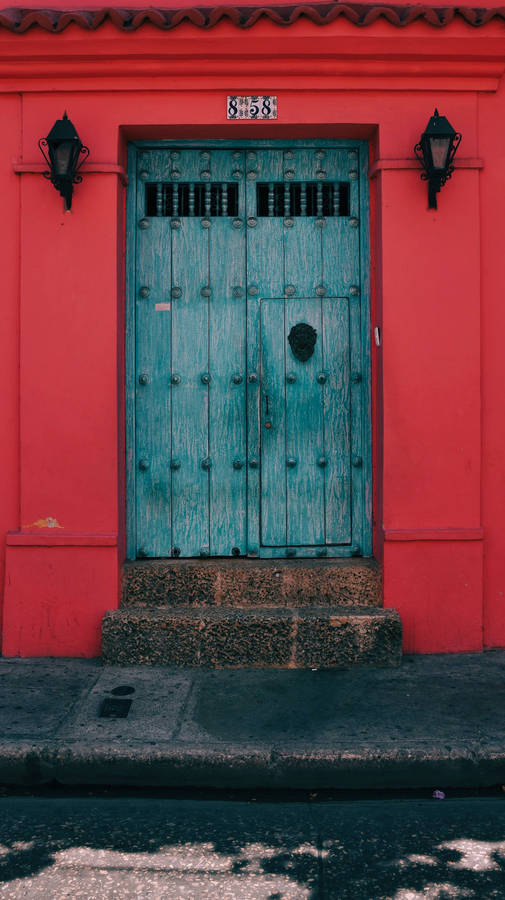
66	156
435	151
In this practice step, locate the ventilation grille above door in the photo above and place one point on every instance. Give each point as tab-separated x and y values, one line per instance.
191	199
303	198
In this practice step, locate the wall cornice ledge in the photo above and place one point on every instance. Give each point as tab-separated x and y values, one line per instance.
382	165
90	168
48	538
209	61
434	534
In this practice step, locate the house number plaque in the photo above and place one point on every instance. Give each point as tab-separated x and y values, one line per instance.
251	107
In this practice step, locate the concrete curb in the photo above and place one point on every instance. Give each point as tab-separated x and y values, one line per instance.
248	767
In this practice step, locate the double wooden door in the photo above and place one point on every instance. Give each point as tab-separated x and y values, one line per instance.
249	400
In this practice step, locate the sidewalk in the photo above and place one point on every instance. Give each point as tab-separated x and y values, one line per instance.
437	721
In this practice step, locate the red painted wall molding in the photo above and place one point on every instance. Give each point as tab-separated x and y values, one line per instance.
362	59
433	534
96	77
87	169
381	165
29	539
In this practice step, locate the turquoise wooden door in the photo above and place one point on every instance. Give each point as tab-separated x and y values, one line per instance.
249	400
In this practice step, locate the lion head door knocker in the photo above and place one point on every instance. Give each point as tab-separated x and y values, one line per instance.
302	340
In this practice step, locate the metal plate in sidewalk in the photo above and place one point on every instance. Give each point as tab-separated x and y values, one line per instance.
114	708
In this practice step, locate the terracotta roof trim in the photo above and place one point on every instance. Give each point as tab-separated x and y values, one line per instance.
20	19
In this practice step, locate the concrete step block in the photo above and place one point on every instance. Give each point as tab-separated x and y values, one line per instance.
251	582
278	637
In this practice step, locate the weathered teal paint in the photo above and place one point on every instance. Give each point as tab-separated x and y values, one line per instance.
153	397
235	445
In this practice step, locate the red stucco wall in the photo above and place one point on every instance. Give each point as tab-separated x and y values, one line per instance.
491	129
10	148
437	283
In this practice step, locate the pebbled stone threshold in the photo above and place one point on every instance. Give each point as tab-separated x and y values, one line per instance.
218	637
251	582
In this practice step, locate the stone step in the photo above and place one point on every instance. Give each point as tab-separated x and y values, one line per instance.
282	637
252	582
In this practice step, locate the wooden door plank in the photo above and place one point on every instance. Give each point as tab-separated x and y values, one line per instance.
337	424
358	463
152	374
227	364
366	380
190	396
265	278
302	236
153	403
273	424
342	277
130	351
304	430
340	238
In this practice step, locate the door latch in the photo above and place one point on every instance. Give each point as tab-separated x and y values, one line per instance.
268	423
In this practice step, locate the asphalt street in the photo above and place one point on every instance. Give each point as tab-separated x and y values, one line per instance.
250	849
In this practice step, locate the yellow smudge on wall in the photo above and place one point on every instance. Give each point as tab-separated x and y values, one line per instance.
49	522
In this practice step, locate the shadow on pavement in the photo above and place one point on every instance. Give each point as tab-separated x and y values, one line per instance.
151	847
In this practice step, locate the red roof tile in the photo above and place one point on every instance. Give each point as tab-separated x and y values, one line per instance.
19	19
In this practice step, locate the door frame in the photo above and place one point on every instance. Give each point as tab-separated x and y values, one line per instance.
361	543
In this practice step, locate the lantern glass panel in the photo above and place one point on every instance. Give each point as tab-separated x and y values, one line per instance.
63	154
440	147
62	158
